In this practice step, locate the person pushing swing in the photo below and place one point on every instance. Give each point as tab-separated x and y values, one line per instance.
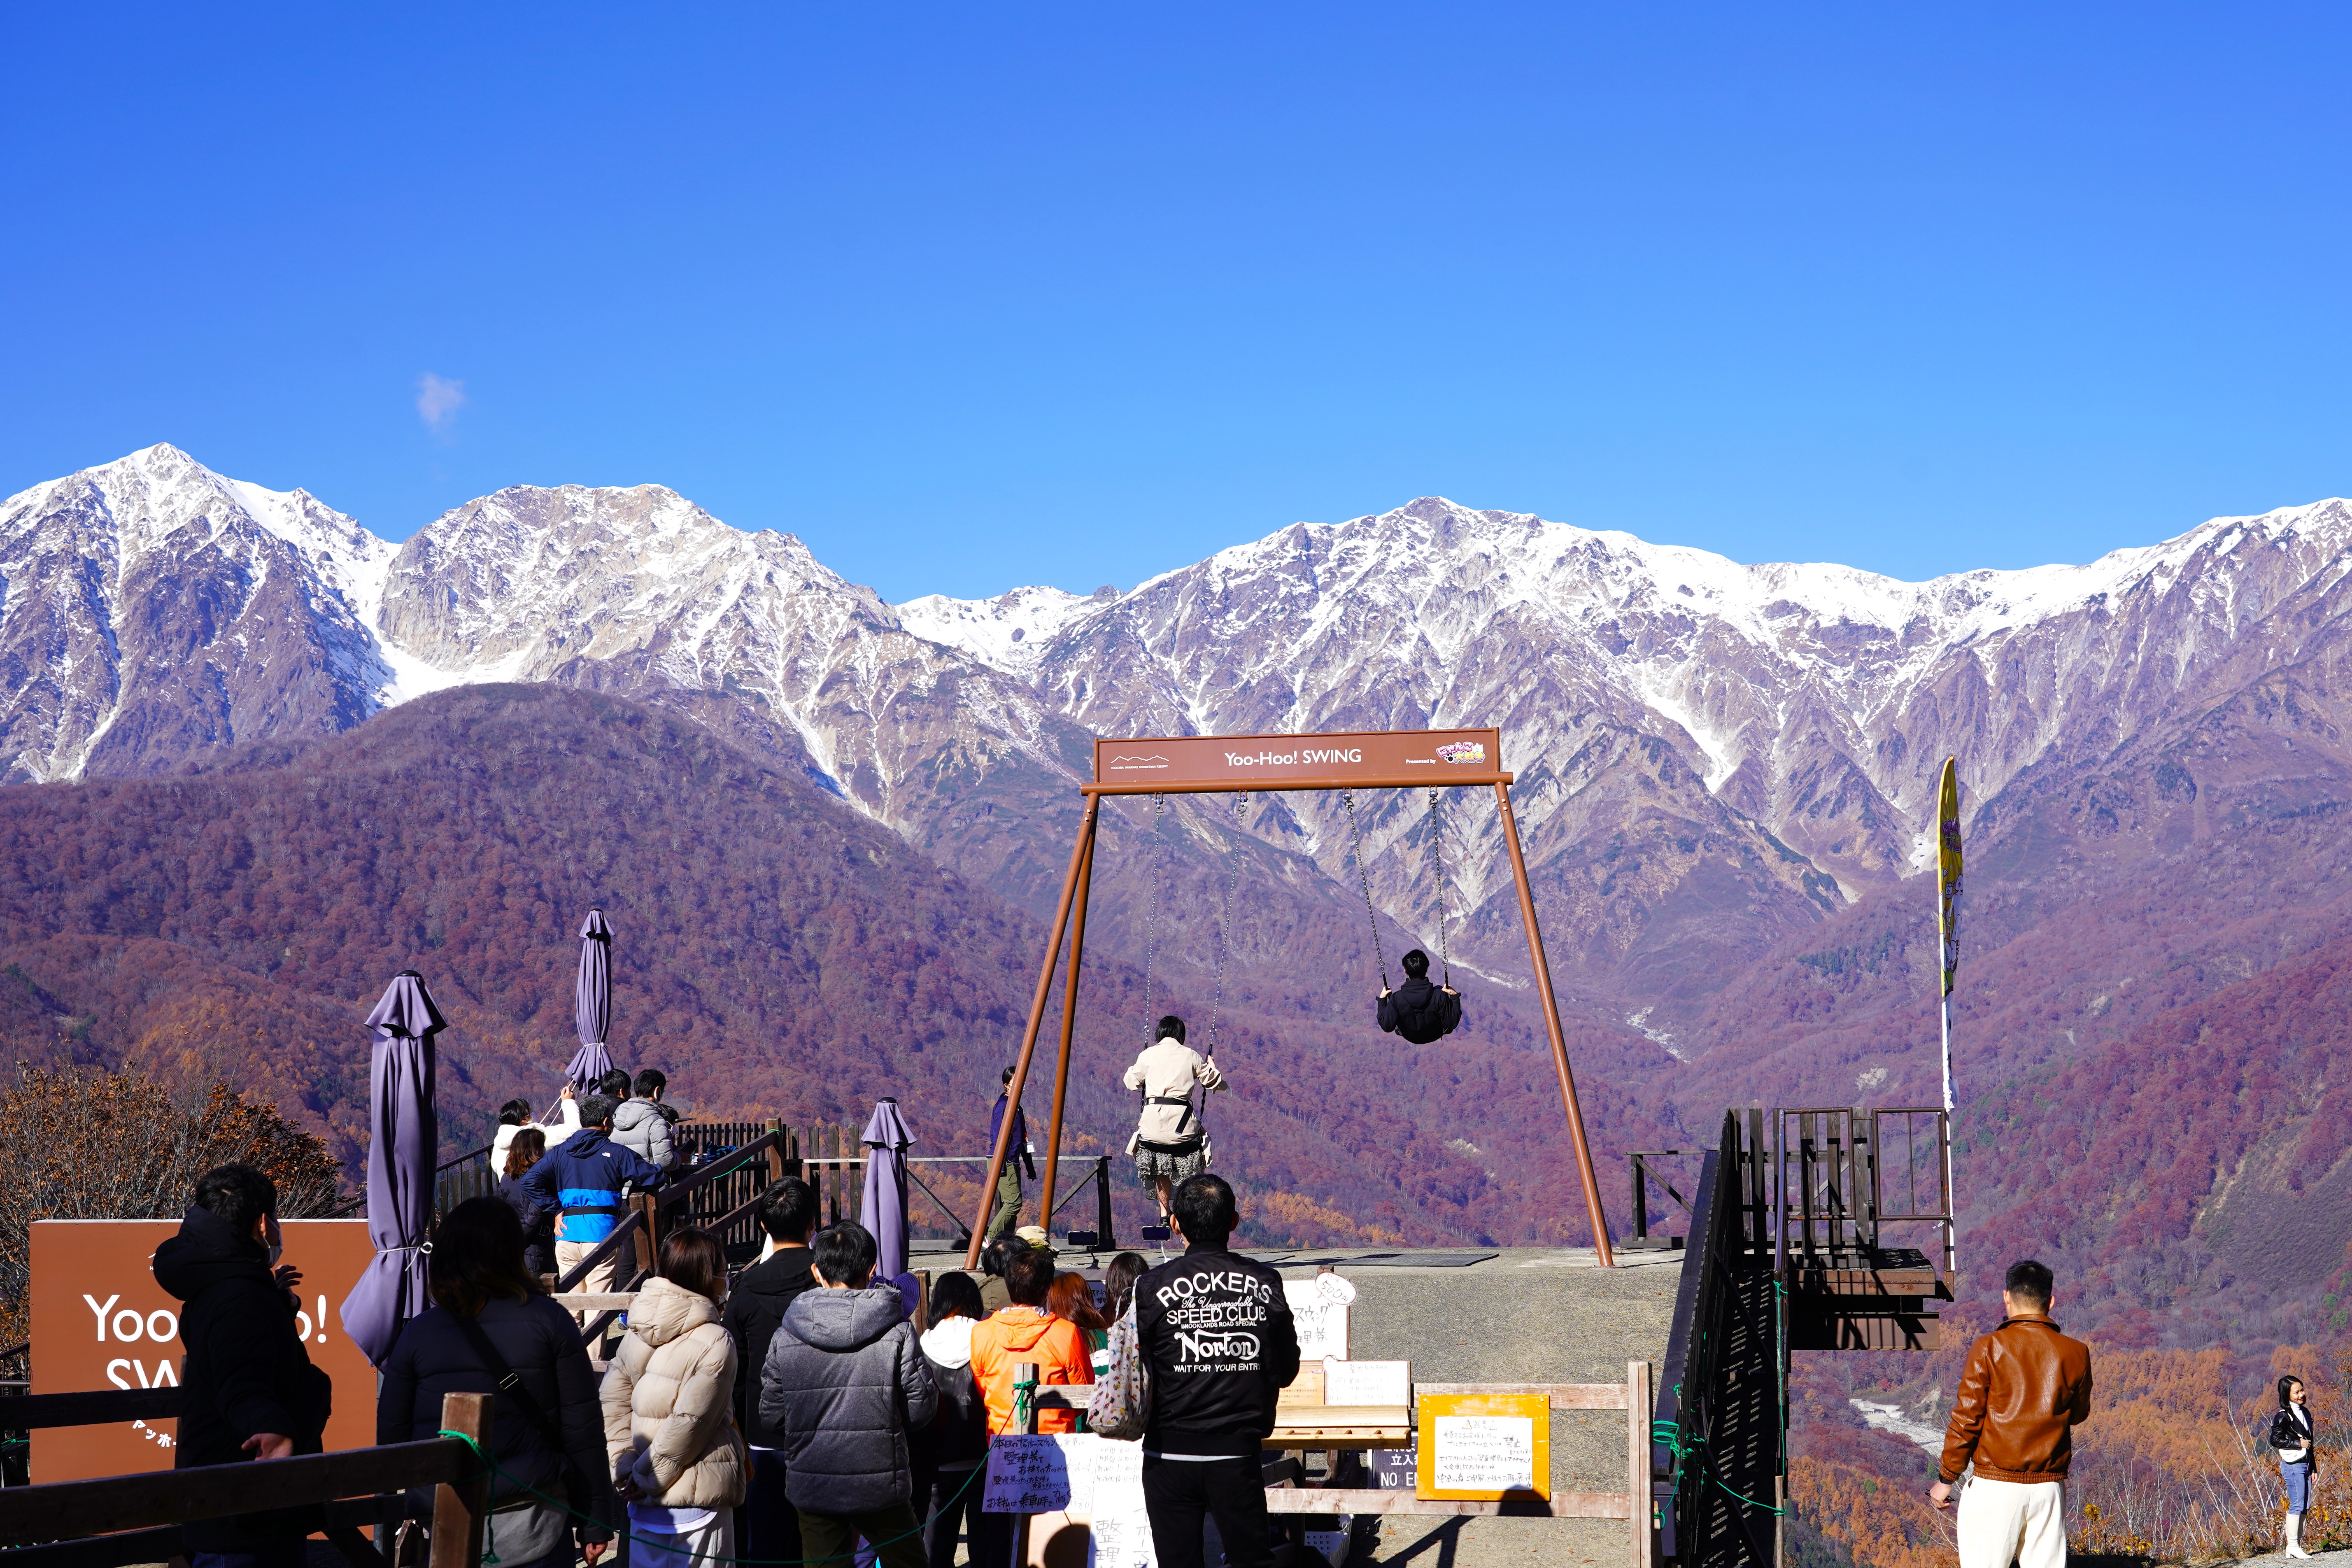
1417	1010
1169	1142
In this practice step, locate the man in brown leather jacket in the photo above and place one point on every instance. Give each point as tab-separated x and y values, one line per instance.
2024	1388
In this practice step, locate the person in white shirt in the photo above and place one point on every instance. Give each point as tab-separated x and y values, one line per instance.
2292	1438
1169	1142
515	1115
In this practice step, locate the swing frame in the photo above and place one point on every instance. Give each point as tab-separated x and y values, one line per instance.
1379	759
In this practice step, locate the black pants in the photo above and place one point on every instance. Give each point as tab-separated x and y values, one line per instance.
767	1527
945	1499
1177	1494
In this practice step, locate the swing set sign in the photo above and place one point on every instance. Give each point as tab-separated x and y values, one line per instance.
1381	758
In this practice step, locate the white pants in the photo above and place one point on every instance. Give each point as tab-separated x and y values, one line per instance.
2021	1520
684	1548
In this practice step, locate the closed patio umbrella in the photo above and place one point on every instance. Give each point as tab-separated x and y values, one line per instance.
592	1003
883	1212
402	1144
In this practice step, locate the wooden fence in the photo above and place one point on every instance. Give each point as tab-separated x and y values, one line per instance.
116	1520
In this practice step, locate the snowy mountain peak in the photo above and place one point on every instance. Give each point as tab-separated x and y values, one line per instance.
1007	631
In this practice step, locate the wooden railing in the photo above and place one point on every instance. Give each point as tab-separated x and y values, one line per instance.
119	1520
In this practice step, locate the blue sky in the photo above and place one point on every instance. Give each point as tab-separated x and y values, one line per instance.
978	296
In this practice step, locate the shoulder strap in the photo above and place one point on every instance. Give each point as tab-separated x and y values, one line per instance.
509	1381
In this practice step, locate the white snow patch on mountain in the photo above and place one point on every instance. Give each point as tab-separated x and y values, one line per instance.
1008	631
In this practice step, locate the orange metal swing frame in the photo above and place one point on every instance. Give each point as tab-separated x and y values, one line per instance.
1256	764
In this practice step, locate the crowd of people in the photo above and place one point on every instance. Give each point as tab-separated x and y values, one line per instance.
788	1414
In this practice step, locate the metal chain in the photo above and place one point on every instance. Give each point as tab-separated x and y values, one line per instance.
1348	798
1437	859
1151	927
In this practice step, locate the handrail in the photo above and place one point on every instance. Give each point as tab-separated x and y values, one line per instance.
34	1412
109	1503
626	1228
672	1192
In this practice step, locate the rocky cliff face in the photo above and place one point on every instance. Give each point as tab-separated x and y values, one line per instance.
1713	758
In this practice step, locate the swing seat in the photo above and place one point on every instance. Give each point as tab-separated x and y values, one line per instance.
1156	1232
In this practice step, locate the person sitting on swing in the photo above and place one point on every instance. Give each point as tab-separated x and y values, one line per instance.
1169	1142
1417	1010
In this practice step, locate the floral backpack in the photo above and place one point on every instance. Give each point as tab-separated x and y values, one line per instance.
1122	1402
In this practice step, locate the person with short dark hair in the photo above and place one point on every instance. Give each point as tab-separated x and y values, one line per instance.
768	1527
615	1083
1027	1331
642	1125
2295	1441
1017	1153
1216	1330
2023	1389
1170	1143
844	1384
582	1180
490	1318
669	1410
1417	1010
994	1297
248	1388
1118	1283
949	1452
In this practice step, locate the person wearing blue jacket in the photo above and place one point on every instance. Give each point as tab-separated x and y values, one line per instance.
581	1179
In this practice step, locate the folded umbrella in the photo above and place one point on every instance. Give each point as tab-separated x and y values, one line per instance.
883	1212
592	1003
404	1145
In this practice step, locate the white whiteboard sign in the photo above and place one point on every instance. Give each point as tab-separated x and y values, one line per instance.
1367	1382
1483	1453
1321	1322
1052	1472
1121	1531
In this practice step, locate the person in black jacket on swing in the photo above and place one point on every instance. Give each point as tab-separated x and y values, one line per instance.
1417	1010
1216	1334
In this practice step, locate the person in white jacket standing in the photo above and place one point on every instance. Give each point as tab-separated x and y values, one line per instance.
2292	1439
515	1115
1169	1142
669	1420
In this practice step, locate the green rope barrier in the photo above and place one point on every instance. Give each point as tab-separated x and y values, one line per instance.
978	1470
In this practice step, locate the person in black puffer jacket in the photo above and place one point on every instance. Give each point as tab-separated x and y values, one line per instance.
1417	1010
248	1387
844	1384
767	1529
949	1452
478	1278
1216	1330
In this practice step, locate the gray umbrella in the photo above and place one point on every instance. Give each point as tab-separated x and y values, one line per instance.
592	1003
403	1149
884	1212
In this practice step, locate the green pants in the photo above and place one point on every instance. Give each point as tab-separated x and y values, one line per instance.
1007	1217
828	1540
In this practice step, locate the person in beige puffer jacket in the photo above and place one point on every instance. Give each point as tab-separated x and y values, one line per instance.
669	1422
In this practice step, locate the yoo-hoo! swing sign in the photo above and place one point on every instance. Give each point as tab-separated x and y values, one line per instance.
1393	758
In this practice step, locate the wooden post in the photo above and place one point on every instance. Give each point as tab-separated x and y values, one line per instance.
1024	1421
459	1510
1069	1022
1637	1459
1029	1035
1551	1027
649	1239
776	1153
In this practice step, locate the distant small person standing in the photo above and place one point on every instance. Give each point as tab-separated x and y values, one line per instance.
2024	1388
1008	1181
2293	1439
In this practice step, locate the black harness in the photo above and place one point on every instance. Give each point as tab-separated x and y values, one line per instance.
1184	1146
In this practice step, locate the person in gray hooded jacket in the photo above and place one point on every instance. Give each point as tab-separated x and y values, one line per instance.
843	1384
642	1125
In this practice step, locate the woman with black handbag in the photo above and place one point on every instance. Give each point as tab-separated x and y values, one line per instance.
492	1329
2294	1441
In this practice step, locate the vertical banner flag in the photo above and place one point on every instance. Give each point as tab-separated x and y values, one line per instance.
1947	871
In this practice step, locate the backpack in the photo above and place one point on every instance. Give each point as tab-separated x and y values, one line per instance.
1122	1402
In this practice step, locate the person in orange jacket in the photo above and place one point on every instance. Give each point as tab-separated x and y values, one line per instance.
1028	1331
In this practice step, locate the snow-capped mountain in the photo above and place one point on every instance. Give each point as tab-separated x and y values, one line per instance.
1711	755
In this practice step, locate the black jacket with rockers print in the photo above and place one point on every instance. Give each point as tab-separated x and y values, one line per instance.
1217	1335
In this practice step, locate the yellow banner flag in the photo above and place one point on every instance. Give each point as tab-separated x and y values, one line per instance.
1947	869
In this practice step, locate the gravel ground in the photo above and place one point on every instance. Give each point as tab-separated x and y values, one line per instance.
1524	1316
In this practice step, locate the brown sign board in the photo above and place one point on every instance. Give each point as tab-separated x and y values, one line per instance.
100	1322
1390	758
